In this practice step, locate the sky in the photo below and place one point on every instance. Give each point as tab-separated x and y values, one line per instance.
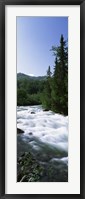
35	38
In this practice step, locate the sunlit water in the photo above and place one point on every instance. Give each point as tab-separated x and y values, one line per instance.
45	135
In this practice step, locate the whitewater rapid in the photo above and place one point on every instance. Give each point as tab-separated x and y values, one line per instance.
44	130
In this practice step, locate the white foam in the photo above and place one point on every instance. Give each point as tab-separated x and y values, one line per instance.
48	127
63	160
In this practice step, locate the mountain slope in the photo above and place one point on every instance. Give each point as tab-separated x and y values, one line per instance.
24	76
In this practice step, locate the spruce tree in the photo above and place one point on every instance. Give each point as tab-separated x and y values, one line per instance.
47	91
60	78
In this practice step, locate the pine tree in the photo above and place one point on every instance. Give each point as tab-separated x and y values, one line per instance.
60	78
47	91
49	73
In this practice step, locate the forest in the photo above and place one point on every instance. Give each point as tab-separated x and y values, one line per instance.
51	90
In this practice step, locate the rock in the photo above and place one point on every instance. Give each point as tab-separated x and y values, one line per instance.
19	131
32	112
45	110
30	133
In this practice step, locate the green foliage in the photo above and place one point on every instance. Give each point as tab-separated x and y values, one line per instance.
46	97
22	97
29	91
56	88
60	79
29	169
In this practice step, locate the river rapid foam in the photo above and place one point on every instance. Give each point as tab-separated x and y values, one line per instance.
45	133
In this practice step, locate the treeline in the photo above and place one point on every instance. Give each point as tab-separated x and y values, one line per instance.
51	92
29	91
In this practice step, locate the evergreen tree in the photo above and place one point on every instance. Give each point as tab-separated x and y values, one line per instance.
60	78
49	73
47	91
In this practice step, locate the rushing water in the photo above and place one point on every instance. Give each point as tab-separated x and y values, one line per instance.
46	136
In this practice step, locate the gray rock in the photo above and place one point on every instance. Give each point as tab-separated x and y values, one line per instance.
19	131
32	112
30	133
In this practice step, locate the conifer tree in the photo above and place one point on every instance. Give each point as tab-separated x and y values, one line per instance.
47	91
60	78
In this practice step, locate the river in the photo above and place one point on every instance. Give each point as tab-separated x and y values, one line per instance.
46	136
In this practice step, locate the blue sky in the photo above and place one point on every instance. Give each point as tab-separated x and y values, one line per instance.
35	37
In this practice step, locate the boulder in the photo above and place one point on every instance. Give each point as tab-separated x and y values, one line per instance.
19	131
30	133
45	110
32	112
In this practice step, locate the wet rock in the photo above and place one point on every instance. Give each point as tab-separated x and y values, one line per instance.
19	131
32	112
30	133
45	110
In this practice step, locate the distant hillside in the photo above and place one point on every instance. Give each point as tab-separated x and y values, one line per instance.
23	76
30	89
